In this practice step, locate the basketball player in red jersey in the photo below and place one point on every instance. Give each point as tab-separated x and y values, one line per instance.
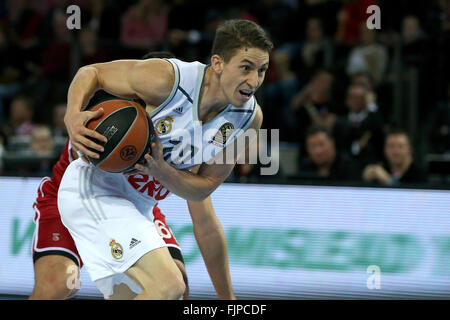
57	261
220	96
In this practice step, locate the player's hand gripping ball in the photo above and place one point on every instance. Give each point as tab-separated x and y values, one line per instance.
129	131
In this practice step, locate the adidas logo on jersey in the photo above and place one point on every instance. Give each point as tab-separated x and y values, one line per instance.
179	110
134	242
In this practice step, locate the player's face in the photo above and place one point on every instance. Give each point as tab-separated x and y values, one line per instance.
244	74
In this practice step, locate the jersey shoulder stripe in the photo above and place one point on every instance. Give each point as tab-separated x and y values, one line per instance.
172	93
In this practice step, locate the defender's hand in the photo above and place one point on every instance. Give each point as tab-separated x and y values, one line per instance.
78	133
155	161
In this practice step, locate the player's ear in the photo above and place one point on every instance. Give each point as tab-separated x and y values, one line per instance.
217	63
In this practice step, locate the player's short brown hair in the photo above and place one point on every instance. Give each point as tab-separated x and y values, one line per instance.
235	34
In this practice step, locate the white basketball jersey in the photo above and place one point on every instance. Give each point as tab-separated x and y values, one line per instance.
103	211
186	141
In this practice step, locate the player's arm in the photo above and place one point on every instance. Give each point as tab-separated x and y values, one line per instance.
213	246
150	80
185	184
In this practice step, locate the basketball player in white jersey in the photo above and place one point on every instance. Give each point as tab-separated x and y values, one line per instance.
102	210
56	260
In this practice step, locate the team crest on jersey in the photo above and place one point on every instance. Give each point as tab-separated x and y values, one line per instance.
116	249
223	134
164	126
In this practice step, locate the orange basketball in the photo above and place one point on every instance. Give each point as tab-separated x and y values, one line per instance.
129	131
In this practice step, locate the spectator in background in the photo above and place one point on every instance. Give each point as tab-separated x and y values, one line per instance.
412	34
364	79
56	57
184	34
25	23
189	39
101	16
350	17
399	167
54	9
44	6
11	69
280	87
38	157
42	143
316	51
277	17
368	56
324	160
144	25
53	70
440	127
91	52
360	133
213	19
324	10
419	53
20	118
378	97
314	104
444	50
59	130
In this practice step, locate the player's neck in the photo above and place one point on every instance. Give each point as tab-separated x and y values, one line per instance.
212	100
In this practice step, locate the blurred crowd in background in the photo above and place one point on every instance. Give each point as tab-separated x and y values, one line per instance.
352	104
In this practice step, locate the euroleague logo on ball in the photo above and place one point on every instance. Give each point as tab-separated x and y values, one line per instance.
128	153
